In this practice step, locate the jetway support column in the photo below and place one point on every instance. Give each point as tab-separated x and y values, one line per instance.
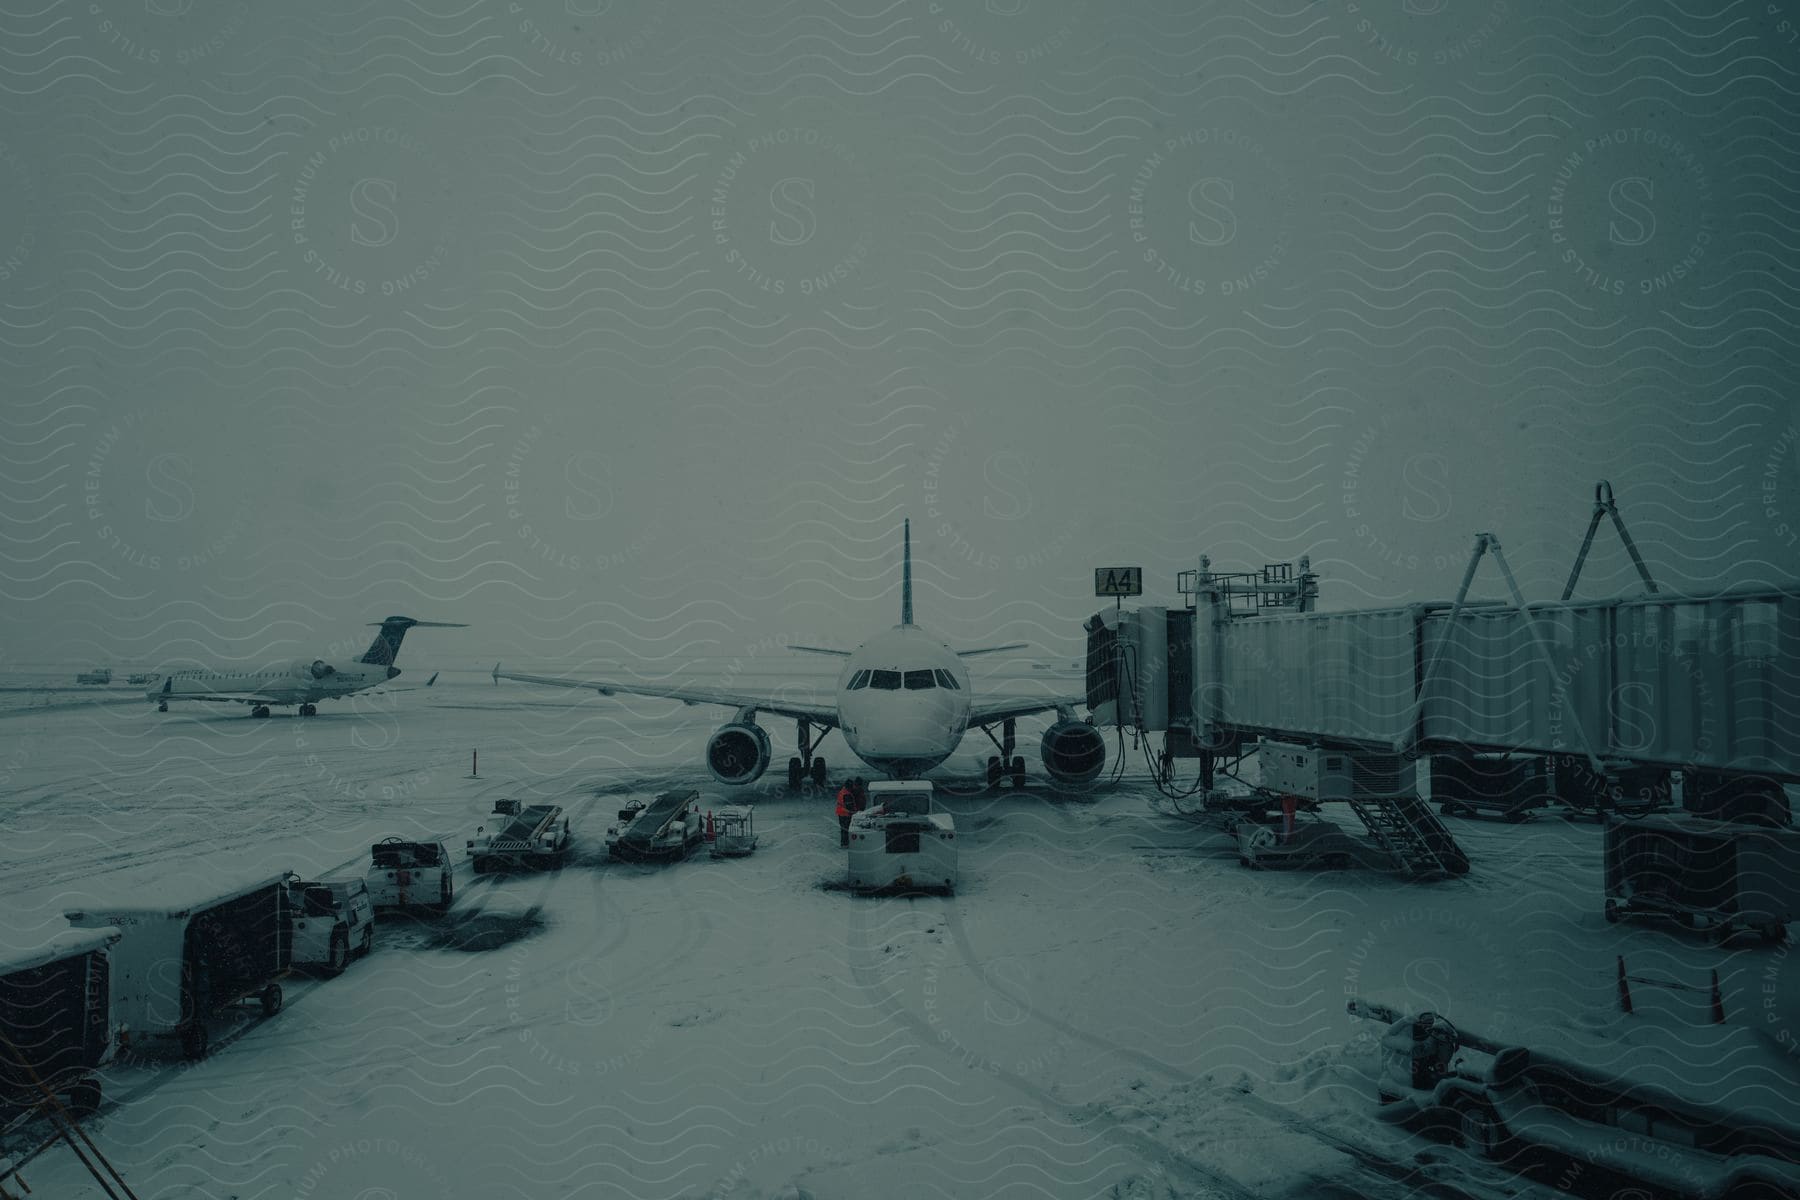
1207	706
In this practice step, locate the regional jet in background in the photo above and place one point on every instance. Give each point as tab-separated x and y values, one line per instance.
903	701
300	681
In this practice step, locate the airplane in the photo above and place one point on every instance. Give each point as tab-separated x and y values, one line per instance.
902	700
299	681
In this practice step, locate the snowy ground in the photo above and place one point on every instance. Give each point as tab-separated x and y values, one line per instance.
1109	1006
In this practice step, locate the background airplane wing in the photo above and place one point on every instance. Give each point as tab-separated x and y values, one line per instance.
818	714
1001	708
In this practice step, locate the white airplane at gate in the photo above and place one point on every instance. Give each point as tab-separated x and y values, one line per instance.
300	681
903	701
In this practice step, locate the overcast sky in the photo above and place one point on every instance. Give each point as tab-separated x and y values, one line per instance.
621	327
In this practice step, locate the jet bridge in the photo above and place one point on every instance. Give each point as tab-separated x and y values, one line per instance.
1695	682
1705	684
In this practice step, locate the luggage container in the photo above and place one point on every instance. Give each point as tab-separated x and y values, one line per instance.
902	841
665	829
406	874
529	837
187	959
56	1025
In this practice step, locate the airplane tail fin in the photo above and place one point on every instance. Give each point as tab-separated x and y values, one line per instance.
906	573
386	646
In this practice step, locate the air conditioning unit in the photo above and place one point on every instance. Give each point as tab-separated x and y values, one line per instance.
1323	774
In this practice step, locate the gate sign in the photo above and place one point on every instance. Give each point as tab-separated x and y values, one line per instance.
1118	581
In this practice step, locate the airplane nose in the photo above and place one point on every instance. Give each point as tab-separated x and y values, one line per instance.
393	671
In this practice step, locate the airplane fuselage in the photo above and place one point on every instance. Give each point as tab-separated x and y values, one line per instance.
903	701
300	681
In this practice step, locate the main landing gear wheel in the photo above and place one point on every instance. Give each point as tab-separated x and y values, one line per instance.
259	711
818	771
162	706
307	710
1018	770
795	774
993	772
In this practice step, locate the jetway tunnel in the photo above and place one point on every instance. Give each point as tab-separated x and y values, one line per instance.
1593	704
1684	682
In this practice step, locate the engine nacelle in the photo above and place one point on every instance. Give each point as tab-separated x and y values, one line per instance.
1074	753
738	753
321	668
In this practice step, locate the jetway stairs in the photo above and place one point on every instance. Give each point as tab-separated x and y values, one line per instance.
1412	835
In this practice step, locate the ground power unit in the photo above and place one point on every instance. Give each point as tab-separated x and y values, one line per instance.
1323	775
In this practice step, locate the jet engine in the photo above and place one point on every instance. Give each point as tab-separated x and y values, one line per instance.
738	753
321	668
1074	753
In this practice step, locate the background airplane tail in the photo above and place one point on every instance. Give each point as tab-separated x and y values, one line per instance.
386	646
906	573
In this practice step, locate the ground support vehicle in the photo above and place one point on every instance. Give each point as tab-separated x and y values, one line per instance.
1704	1130
328	923
902	841
667	828
410	875
528	836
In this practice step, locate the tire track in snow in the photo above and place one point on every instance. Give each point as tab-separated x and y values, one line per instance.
1196	1179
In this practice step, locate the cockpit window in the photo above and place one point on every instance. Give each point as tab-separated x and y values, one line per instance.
886	681
858	680
947	680
918	681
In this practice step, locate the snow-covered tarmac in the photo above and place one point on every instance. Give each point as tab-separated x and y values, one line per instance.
1109	1005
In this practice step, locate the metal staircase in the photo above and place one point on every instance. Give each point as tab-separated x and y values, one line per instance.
1411	834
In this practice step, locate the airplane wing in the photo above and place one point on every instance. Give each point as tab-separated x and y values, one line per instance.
1004	708
819	714
384	688
990	649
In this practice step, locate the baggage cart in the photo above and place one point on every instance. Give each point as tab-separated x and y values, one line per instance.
56	1027
189	958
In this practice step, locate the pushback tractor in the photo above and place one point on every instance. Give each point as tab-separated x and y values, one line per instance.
902	841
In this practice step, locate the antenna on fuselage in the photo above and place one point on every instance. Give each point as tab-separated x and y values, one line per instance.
906	573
